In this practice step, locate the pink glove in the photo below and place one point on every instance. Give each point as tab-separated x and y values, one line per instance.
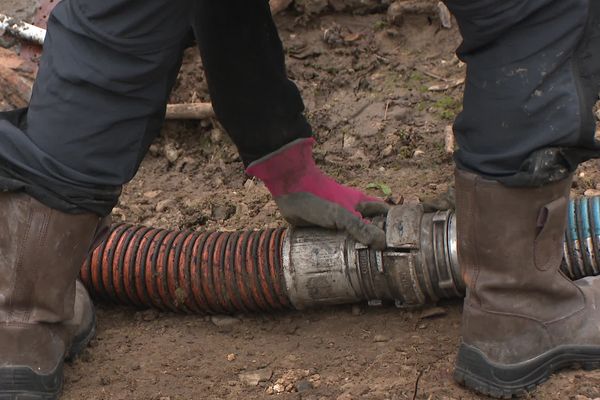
306	196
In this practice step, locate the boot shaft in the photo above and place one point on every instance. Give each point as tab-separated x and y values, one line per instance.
41	251
510	248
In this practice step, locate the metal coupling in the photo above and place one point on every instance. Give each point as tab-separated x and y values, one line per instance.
418	267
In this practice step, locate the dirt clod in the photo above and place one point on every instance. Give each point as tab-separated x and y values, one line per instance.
253	378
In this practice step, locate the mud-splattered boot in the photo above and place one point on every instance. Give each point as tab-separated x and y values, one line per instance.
45	314
522	318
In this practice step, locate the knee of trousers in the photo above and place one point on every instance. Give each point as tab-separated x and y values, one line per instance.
532	81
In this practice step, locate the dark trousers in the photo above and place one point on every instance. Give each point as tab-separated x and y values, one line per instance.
533	75
105	76
108	68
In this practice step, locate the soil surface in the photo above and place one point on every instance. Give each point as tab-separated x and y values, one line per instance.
380	98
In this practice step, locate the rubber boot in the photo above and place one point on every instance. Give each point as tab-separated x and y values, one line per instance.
522	318
45	314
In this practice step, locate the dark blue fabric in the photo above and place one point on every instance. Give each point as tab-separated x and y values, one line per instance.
104	80
532	81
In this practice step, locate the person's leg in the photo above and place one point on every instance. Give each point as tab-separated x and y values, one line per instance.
533	76
243	58
532	80
99	100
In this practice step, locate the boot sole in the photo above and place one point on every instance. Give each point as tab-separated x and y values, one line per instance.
505	381
22	383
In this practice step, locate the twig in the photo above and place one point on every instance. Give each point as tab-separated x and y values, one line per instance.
22	30
432	75
448	86
421	372
190	111
387	106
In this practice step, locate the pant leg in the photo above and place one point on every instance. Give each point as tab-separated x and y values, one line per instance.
98	101
533	74
257	104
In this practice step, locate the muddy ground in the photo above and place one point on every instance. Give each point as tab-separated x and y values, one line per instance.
372	92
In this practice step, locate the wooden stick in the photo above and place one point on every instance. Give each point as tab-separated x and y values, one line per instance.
22	29
190	111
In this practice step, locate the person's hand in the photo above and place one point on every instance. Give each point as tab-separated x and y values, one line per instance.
307	197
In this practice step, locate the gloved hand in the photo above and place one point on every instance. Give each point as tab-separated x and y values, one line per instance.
307	197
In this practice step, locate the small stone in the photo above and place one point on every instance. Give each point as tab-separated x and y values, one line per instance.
172	153
154	150
399	114
303	386
249	184
449	142
345	396
278	388
591	192
395	199
222	212
165	398
164	205
253	378
231	357
224	320
152	194
381	338
418	153
216	135
445	16
395	14
150	315
357	310
387	151
270	391
433	312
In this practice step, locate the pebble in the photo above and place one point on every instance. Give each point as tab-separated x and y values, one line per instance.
152	194
278	388
150	315
418	153
592	192
253	378
399	114
433	312
164	205
387	151
155	150
249	184
231	357
303	385
224	320
345	396
216	135
172	153
381	338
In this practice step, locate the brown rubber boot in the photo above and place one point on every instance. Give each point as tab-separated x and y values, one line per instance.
45	314
522	318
